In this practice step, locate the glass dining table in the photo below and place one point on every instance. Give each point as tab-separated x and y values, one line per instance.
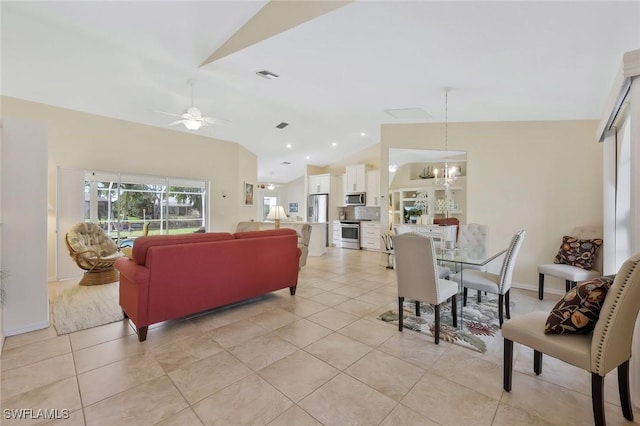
457	259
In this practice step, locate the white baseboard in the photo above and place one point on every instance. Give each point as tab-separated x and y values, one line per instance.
26	329
535	288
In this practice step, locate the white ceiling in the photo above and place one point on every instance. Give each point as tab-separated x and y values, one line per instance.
338	73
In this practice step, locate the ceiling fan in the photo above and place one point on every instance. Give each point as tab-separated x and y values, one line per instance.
192	117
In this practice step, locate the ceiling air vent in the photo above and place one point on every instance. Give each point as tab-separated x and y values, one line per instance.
282	125
267	74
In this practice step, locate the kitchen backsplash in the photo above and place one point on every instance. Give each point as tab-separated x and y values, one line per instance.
362	212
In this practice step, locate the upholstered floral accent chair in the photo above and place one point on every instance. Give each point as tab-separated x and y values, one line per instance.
94	251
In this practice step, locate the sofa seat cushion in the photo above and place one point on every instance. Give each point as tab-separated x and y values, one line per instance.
141	245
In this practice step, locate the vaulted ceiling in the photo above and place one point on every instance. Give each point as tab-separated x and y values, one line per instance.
340	65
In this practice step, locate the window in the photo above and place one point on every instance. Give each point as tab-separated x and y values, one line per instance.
122	204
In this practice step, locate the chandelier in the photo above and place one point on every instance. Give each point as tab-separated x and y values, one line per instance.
449	174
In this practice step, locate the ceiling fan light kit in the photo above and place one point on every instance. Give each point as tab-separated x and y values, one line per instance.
192	118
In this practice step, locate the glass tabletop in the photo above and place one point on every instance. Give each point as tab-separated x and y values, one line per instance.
460	256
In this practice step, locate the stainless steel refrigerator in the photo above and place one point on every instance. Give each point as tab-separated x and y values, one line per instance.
318	208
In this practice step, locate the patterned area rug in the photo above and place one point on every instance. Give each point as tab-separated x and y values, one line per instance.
75	307
479	326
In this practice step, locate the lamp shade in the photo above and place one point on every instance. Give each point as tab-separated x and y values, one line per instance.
277	213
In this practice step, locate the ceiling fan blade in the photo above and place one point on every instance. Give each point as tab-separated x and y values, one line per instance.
168	113
176	122
217	120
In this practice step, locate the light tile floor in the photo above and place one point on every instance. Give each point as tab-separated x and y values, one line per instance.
318	358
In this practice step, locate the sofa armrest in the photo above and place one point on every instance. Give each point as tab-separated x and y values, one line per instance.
131	271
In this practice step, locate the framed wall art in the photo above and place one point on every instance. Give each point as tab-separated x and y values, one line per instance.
248	194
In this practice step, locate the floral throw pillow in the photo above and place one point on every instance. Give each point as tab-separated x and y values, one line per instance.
580	253
578	311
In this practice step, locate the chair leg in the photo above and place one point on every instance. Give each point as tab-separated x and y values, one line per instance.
500	309
464	297
400	312
568	284
537	362
417	308
540	286
623	389
479	296
437	316
454	310
597	399
506	304
508	365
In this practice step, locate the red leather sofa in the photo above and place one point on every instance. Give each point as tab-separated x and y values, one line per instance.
170	276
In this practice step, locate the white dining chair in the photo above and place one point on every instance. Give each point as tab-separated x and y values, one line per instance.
417	274
499	284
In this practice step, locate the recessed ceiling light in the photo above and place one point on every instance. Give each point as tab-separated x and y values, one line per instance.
282	125
334	144
308	157
288	145
363	134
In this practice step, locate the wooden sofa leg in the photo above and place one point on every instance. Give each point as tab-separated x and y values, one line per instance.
142	333
292	290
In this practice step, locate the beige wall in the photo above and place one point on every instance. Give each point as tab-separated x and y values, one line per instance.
544	177
85	141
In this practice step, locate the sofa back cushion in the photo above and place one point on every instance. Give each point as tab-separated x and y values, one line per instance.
142	244
264	234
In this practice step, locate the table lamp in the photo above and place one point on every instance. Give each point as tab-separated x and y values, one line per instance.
276	214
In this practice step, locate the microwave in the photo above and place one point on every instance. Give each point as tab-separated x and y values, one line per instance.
355	199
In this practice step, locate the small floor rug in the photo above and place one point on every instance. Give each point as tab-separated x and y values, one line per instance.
75	307
479	326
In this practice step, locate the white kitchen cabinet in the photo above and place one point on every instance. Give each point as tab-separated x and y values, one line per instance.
320	184
373	188
335	232
370	235
356	178
439	232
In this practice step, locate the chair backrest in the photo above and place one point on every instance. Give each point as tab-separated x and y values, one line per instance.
473	237
416	267
86	236
506	273
402	229
613	334
590	232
